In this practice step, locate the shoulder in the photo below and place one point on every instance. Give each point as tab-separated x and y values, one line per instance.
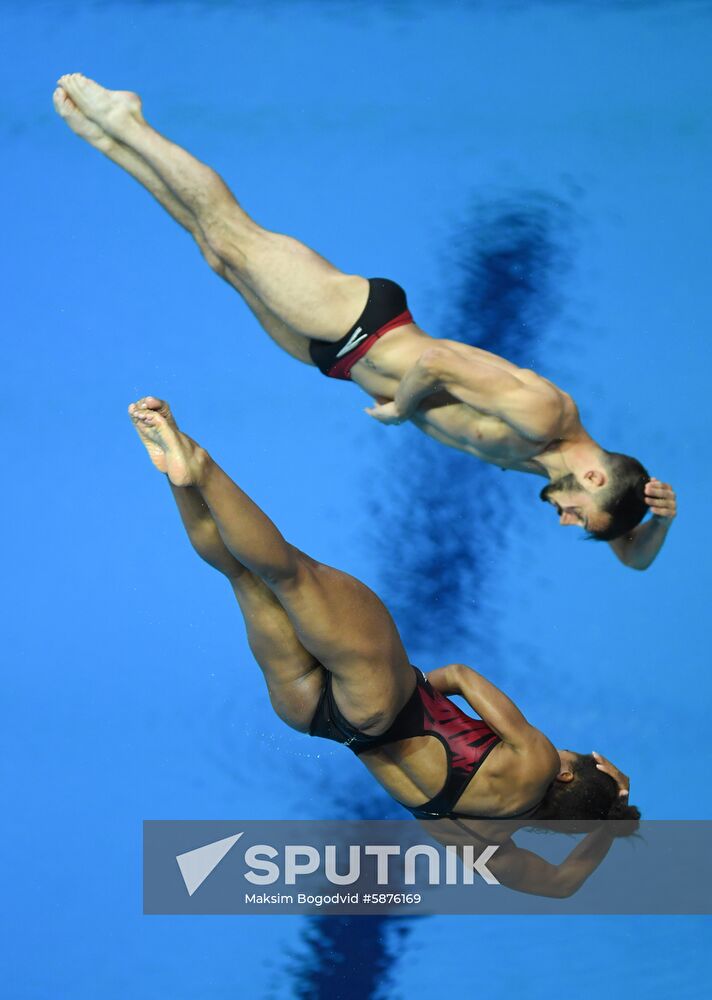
539	755
527	766
538	407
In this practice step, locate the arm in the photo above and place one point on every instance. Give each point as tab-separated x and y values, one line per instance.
640	548
422	380
533	410
491	704
525	871
522	870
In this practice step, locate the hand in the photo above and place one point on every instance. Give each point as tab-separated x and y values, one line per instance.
660	497
622	780
386	413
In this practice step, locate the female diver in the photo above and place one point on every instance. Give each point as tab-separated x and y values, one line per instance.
335	667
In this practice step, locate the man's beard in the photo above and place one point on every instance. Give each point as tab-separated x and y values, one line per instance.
566	483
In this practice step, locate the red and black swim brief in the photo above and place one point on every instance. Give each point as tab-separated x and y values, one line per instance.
385	309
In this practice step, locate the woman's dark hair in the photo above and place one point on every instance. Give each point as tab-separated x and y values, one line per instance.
624	496
590	795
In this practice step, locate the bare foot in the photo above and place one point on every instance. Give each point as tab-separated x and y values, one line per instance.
112	110
79	123
169	449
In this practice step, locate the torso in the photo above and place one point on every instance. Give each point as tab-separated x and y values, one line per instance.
437	756
507	783
447	419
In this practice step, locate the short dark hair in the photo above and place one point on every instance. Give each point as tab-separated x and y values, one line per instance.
590	795
623	498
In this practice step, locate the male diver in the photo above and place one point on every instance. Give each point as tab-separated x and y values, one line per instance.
335	667
359	329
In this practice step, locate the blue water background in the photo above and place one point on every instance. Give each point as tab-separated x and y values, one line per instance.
380	134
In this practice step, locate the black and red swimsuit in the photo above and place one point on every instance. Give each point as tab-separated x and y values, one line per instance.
386	308
467	741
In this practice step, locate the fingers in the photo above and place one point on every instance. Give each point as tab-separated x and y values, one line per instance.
660	497
622	780
602	763
654	488
385	413
663	507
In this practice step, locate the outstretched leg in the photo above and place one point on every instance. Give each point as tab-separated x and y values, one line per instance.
336	619
290	341
294	677
292	282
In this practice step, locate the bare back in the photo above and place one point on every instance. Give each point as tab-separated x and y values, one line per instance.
509	782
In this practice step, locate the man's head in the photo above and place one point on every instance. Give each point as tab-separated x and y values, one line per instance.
608	500
582	791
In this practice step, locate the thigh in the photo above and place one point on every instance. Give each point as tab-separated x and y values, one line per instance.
293	676
349	630
284	336
294	283
289	340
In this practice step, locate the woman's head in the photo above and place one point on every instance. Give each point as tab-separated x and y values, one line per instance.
582	791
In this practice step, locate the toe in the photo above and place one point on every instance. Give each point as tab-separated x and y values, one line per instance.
62	101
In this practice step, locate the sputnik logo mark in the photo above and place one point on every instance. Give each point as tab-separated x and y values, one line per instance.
195	866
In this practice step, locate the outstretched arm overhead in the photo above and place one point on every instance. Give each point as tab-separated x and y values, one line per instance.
640	548
533	410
